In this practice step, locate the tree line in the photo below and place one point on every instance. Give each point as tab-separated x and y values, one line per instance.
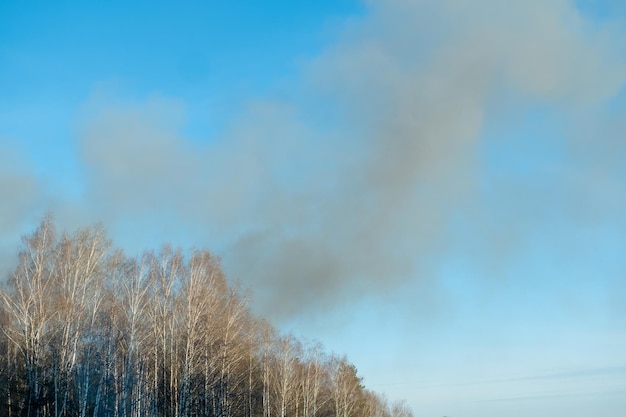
89	331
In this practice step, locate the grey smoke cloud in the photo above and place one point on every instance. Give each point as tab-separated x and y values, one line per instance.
20	190
347	186
416	108
21	200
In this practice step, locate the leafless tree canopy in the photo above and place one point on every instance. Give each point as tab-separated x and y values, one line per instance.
88	331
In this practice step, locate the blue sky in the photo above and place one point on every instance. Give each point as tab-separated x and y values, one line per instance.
435	189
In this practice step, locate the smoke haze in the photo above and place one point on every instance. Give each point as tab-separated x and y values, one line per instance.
348	184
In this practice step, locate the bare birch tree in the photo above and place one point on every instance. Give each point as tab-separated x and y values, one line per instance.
28	306
199	283
346	386
80	268
133	291
283	372
314	378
